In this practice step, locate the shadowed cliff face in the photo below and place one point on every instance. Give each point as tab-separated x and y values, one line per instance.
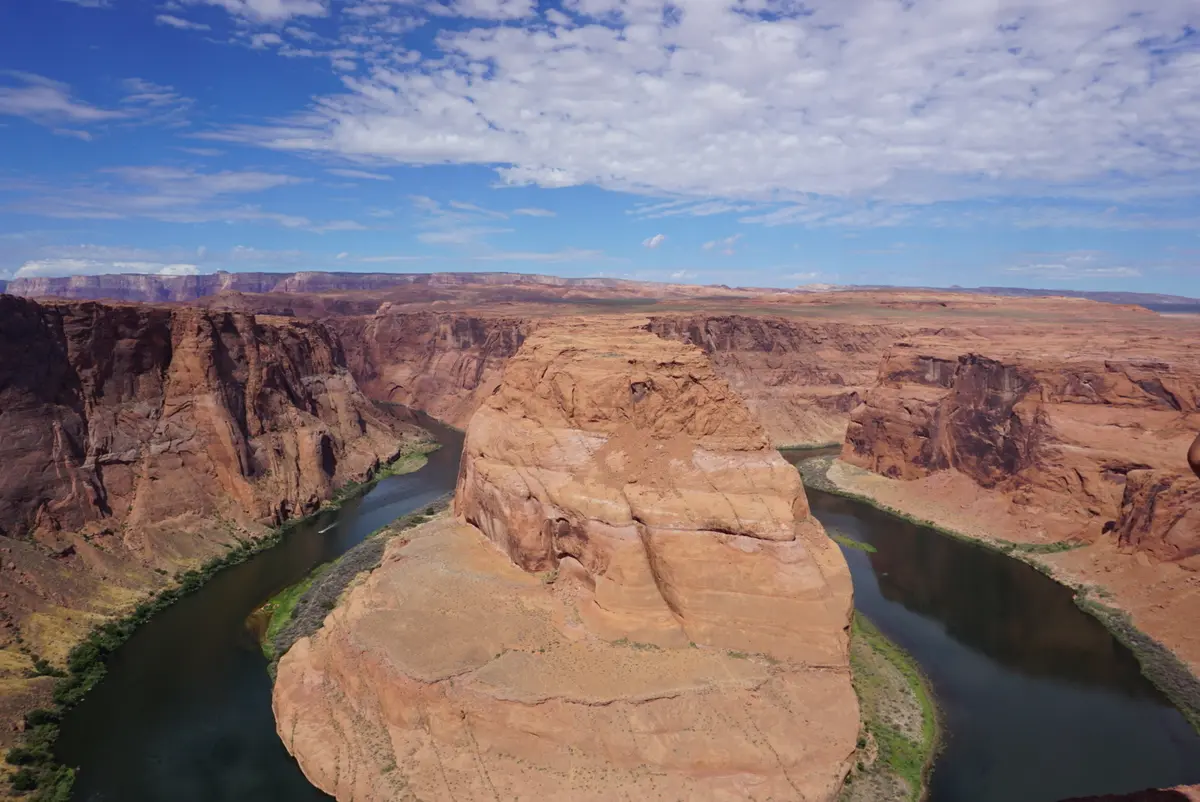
442	363
1058	423
140	438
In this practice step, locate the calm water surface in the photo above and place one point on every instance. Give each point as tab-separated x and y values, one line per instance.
184	714
1040	703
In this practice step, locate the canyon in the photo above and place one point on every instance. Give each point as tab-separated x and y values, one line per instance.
140	441
145	438
602	616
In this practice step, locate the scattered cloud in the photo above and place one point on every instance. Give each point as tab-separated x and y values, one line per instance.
683	275
875	100
363	174
90	3
268	10
1071	266
725	246
655	241
180	23
48	102
47	268
534	212
210	152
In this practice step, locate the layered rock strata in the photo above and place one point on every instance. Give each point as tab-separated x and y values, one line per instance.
633	601
139	440
800	378
444	363
1088	436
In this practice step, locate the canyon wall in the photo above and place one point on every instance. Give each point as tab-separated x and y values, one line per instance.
801	378
1086	431
633	601
443	363
137	440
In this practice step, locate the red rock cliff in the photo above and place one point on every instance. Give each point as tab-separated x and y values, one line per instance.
801	378
674	546
442	363
1091	432
140	437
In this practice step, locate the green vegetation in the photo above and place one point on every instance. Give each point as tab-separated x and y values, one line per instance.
279	608
298	611
899	735
39	774
851	543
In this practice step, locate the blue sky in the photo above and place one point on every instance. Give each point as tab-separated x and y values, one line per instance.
1038	143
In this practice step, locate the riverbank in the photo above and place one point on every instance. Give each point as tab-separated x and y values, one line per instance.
899	735
31	766
299	610
1150	608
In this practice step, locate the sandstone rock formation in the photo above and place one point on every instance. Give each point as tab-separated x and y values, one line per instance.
445	363
634	602
140	438
800	378
1088	434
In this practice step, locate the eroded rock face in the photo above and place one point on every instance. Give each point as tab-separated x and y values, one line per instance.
633	601
1095	434
140	438
800	378
442	363
644	469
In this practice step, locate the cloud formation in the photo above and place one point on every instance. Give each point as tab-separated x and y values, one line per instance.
655	241
269	10
770	100
180	23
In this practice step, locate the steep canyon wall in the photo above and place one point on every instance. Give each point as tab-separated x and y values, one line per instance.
137	440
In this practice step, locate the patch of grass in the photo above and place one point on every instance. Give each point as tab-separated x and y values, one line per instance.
876	662
851	543
279	608
40	775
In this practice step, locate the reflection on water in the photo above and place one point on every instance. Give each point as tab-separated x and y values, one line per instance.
184	714
1039	701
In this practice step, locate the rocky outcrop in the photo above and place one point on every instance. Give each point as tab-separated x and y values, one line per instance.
1089	434
445	364
800	378
143	438
634	601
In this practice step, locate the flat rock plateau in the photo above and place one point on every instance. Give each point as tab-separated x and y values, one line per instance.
631	600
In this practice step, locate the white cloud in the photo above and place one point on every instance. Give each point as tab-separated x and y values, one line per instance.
269	10
682	275
44	268
724	245
203	151
655	241
385	259
182	24
90	3
342	255
534	212
769	101
173	195
260	41
47	101
1072	265
363	174
72	132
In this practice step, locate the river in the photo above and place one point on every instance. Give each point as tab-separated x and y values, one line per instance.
1039	701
